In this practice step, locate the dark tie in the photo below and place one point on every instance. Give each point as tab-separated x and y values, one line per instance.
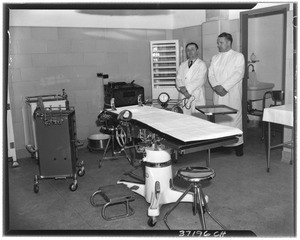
190	63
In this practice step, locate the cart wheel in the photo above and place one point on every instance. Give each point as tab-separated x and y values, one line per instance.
81	172
36	188
152	221
73	187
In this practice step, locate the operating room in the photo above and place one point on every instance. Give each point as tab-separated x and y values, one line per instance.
134	152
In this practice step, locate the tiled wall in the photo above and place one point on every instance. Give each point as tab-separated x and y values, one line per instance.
186	35
46	60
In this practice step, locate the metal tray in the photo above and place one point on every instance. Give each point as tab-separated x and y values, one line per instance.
215	109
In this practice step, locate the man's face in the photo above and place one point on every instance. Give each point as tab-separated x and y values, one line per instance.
223	44
191	51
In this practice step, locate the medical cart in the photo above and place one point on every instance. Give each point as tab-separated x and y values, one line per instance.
56	145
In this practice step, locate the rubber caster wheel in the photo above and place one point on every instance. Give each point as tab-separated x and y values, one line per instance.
152	222
81	172
73	187
36	188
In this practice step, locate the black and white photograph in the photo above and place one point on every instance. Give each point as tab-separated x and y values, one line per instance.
149	119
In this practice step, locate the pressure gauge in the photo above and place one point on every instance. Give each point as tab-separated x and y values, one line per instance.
163	99
125	115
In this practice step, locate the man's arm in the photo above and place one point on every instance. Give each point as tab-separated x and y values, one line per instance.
197	79
237	73
211	75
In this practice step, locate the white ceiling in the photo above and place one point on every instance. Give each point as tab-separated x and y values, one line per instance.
134	19
115	18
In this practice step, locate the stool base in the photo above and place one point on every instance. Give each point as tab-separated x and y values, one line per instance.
199	202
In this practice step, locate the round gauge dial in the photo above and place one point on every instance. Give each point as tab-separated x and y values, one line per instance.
164	97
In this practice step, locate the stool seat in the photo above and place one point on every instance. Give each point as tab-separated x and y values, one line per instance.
116	193
196	174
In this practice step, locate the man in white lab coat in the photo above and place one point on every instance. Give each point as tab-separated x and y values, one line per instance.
190	80
225	75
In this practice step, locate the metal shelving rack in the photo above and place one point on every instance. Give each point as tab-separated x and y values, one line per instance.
164	66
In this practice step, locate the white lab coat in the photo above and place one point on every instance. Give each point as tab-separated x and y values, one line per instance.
193	79
227	69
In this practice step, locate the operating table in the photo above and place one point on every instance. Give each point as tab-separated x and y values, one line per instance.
172	132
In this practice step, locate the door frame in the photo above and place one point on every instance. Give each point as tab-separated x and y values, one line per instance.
244	21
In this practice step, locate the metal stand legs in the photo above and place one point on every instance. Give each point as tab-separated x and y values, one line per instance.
111	141
199	203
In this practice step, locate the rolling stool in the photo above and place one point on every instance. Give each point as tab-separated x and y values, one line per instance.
114	194
195	175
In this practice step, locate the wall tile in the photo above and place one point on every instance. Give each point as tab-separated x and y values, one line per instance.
94	58
82	98
82	132
18	128
70	59
20	61
94	107
212	27
93	129
31	46
58	46
208	54
44	33
83	45
236	41
17	114
45	60
14	75
209	41
118	46
235	25
20	33
24	89
178	33
155	34
125	34
225	26
33	74
101	46
169	35
192	32
66	72
81	33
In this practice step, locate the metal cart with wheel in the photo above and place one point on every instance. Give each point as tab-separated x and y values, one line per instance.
57	145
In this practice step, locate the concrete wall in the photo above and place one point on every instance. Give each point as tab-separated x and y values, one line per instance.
45	60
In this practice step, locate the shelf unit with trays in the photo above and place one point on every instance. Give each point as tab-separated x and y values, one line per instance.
164	66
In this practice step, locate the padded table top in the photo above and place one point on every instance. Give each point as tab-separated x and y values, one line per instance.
183	127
